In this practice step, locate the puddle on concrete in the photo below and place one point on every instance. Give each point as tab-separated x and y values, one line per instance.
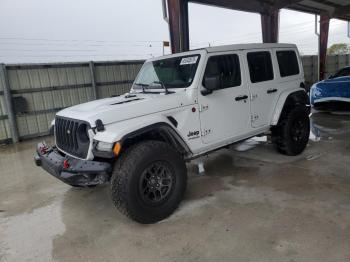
29	236
329	125
314	156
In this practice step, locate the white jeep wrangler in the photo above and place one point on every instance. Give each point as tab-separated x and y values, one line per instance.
180	107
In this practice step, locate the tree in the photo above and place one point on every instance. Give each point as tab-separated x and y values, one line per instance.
338	49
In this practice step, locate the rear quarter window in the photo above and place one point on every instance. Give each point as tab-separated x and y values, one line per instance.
288	63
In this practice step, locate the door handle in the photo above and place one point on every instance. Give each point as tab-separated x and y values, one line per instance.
270	91
239	98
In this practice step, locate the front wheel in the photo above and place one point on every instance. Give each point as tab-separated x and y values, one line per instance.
291	135
148	181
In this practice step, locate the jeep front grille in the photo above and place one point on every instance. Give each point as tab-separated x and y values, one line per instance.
72	136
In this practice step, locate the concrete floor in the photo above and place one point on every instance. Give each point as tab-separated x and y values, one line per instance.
254	205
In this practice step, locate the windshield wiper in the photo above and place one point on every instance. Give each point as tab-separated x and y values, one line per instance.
143	86
162	85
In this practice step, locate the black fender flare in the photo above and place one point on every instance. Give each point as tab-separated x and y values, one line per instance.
298	98
295	99
288	100
163	130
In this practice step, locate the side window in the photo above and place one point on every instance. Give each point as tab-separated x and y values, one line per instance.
226	67
288	63
260	66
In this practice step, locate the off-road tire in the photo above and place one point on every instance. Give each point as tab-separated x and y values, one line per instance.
283	135
128	176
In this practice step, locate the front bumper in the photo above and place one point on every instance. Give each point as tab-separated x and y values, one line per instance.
323	93
72	171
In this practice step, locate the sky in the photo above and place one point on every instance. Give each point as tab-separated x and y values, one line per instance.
99	30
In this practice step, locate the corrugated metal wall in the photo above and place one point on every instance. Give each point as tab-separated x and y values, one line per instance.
47	88
310	64
4	125
115	78
334	63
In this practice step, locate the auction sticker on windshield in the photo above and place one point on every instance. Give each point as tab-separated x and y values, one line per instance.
189	60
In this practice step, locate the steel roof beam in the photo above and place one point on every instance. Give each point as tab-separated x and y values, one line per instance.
285	3
333	9
255	6
344	10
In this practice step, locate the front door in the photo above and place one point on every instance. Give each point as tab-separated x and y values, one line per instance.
224	113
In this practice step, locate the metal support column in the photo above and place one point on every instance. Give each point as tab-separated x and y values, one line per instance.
9	105
270	25
93	80
178	25
323	43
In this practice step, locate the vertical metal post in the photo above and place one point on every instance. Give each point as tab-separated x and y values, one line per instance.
317	33
270	26
9	105
178	25
93	80
324	30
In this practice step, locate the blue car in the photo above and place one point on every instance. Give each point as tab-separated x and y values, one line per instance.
336	89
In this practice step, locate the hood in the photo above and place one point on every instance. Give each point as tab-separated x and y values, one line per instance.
115	109
333	84
331	88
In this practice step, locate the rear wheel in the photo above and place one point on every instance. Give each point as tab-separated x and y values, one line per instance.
291	135
148	181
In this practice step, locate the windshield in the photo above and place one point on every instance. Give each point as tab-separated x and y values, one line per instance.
342	72
176	72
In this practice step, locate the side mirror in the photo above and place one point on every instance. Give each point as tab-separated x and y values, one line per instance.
211	84
331	76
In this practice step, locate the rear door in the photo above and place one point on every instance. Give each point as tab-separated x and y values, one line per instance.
262	84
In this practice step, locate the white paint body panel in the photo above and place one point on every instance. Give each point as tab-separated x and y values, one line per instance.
228	120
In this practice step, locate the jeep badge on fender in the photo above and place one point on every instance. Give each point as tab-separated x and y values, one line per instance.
193	134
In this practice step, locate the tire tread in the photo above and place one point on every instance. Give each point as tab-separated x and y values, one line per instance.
121	174
279	132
